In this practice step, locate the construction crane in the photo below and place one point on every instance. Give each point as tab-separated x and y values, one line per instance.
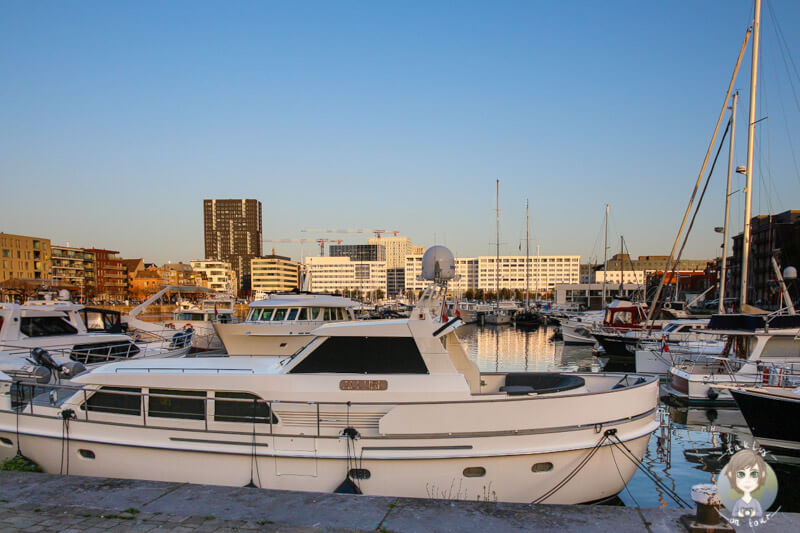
321	243
377	232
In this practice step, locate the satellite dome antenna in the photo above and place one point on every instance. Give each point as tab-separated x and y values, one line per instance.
438	265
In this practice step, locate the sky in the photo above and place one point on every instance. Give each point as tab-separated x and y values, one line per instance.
118	118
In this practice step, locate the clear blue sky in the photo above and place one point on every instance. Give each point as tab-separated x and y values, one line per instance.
118	118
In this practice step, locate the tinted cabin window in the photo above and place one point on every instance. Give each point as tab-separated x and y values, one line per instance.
364	355
117	400
190	405
241	407
328	313
315	313
280	314
44	326
266	315
292	314
303	314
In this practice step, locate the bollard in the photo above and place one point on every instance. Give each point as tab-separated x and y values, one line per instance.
706	518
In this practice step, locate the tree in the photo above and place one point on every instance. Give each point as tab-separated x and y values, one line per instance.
469	294
505	293
379	295
480	295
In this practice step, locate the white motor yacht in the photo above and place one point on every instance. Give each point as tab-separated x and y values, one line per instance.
59	328
759	349
384	407
283	324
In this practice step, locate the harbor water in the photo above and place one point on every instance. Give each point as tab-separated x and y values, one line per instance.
691	446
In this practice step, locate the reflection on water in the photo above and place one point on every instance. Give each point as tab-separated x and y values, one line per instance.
691	445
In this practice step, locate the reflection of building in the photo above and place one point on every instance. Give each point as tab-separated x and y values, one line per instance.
219	276
233	232
343	275
76	267
112	282
358	252
770	235
274	273
24	257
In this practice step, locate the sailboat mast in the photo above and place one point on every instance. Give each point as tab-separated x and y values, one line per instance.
527	256
724	273
605	260
497	256
751	132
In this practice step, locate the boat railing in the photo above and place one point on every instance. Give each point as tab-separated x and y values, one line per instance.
768	372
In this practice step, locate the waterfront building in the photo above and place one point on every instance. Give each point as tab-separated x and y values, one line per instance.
132	267
358	252
652	263
74	267
770	235
397	248
590	295
217	275
417	250
619	276
181	274
24	257
273	273
146	282
112	282
344	276
233	232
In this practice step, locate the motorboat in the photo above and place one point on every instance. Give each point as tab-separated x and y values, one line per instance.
59	328
197	317
619	317
771	413
283	323
625	343
497	317
758	348
659	357
383	407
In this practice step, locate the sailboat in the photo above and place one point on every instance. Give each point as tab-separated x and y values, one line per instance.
527	318
497	316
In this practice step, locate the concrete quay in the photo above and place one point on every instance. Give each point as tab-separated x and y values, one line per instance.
33	502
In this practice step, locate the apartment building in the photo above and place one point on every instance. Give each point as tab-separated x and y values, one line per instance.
343	275
75	267
217	275
24	257
358	252
233	232
274	273
112	279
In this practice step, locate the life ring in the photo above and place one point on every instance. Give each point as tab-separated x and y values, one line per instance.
188	327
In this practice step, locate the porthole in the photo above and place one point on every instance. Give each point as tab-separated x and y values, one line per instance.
474	471
6	441
359	473
86	454
283	344
542	467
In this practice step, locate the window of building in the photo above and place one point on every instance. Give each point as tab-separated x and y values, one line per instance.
364	355
169	403
116	400
241	407
45	326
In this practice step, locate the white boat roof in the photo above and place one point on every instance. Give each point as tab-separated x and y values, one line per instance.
397	327
180	365
305	300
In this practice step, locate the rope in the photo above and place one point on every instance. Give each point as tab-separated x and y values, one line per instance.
660	484
66	416
577	469
614	457
253	453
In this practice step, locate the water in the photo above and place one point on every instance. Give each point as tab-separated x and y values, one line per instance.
690	446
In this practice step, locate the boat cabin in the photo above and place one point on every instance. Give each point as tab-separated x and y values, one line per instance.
302	308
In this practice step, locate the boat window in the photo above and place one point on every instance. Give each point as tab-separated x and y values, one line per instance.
292	314
364	355
328	314
223	319
168	403
316	313
303	314
253	314
266	315
117	400
542	467
280	314
45	326
622	317
474	471
241	407
340	313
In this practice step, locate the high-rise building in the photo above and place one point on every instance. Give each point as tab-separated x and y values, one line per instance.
397	248
233	232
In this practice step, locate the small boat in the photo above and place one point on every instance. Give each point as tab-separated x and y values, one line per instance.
771	414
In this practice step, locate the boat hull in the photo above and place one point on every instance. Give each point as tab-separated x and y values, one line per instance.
770	419
247	338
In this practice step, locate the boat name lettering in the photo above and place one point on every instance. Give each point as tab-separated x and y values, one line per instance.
363	384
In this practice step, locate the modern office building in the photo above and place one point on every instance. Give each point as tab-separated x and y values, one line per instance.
273	273
76	267
344	276
233	232
112	280
358	252
217	275
24	257
396	249
652	263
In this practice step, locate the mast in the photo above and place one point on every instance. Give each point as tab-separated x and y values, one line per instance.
751	132
605	260
527	255
497	256
724	274
622	273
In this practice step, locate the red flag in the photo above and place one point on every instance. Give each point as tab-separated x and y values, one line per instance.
444	312
215	308
458	313
664	345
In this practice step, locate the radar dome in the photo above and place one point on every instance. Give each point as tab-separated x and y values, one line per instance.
790	272
438	264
